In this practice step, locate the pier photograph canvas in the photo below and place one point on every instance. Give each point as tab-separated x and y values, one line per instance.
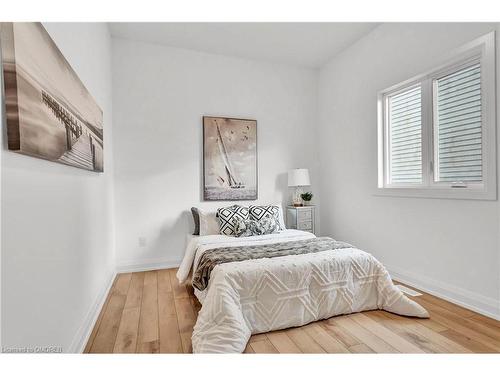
50	114
229	159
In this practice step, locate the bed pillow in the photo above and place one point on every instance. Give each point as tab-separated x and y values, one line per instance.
227	217
281	220
196	219
246	228
257	213
208	222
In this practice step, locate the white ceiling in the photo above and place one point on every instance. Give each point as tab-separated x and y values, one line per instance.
302	44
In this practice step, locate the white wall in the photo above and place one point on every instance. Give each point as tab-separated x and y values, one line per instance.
57	226
159	97
450	247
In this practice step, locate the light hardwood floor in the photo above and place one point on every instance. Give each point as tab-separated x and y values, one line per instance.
149	312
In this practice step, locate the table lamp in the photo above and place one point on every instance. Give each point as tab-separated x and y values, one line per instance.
297	178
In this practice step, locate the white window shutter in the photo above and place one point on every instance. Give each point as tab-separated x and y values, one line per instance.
459	131
405	136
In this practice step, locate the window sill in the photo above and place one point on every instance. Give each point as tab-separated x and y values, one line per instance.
438	193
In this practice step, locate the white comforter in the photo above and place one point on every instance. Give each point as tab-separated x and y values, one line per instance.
261	295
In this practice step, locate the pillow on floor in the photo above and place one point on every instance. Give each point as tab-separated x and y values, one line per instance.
227	217
257	213
246	228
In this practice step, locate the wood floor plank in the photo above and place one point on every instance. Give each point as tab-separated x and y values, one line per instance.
480	327
186	320
489	322
432	324
134	295
339	333
164	281
463	326
148	335
170	338
473	345
263	347
150	347
282	342
92	336
368	338
398	325
122	283
360	348
248	349
326	341
305	343
258	337
394	340
104	341
416	326
180	291
126	339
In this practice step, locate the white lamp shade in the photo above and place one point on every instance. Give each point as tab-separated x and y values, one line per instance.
298	177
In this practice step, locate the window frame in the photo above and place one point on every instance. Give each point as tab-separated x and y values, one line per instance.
481	50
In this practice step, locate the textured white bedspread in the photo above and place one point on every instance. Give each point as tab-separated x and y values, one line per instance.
261	295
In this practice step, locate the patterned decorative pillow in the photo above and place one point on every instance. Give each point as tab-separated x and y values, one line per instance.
246	228
269	224
257	213
227	215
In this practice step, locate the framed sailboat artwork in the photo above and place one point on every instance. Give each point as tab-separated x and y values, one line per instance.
229	159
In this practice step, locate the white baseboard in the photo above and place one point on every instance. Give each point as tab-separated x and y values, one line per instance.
146	265
83	334
473	301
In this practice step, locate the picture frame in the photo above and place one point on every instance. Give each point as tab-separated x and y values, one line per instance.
230	164
50	113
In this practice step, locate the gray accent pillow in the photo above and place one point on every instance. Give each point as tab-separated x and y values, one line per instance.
196	219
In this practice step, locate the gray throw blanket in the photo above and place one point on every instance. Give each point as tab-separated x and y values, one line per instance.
210	258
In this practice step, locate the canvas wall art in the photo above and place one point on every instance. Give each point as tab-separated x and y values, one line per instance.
229	159
50	114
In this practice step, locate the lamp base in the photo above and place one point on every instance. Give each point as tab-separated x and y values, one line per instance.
297	200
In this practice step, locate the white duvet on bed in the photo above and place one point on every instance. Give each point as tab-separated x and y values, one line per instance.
261	295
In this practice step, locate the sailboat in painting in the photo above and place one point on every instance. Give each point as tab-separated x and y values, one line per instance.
230	159
231	180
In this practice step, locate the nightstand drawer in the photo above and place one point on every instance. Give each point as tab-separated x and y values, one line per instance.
304	215
301	218
304	225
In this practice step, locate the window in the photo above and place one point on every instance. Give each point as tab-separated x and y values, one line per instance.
437	130
405	136
458	145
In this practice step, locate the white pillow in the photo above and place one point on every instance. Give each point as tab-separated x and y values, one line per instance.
208	222
281	219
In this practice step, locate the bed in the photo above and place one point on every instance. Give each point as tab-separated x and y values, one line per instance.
250	296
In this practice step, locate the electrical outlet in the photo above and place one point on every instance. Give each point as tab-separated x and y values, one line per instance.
142	241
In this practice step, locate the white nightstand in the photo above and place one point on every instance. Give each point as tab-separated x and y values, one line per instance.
302	218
